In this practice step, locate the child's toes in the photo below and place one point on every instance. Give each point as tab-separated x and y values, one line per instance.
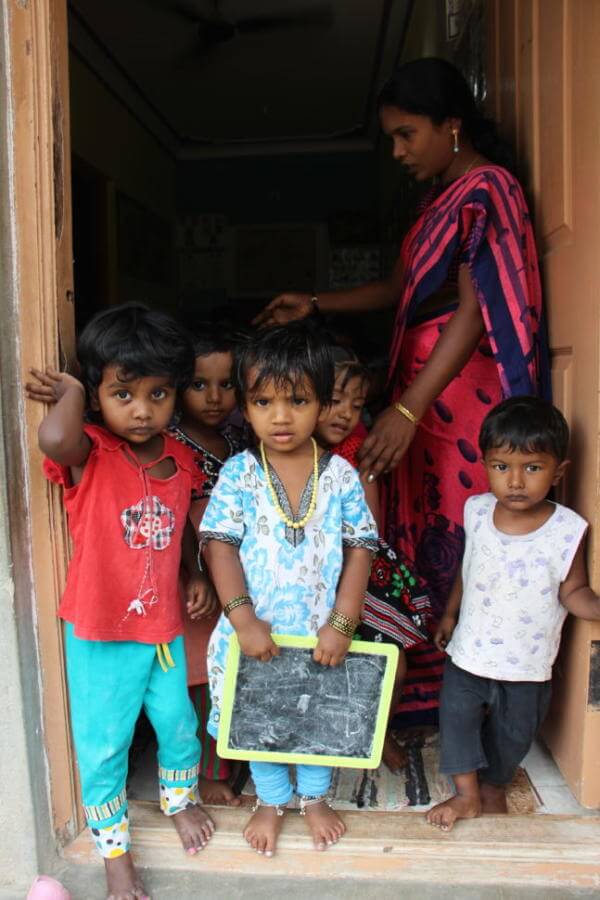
269	846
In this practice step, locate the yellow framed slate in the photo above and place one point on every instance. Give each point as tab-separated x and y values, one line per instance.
387	652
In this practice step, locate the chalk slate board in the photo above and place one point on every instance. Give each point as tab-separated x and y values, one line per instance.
294	710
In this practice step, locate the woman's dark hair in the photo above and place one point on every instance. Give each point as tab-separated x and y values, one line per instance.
139	341
287	355
345	360
435	88
525	424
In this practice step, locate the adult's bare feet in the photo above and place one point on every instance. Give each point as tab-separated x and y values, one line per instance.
194	827
122	880
394	756
263	829
444	815
217	793
325	825
493	798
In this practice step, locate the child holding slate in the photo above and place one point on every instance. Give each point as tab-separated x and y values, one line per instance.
523	571
288	540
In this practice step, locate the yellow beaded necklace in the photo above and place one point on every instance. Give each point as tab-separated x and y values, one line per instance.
293	523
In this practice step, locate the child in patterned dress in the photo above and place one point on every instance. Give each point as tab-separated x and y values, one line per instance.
523	570
288	539
206	406
396	608
127	491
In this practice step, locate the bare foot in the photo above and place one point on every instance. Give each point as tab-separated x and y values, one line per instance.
122	881
263	829
444	815
493	798
394	756
194	827
325	825
217	793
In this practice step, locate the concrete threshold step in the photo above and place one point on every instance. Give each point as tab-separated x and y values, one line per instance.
552	854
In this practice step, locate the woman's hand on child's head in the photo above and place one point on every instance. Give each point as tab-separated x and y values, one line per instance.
331	647
283	309
51	385
201	599
444	631
255	638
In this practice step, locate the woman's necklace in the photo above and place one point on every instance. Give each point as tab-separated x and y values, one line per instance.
470	166
293	523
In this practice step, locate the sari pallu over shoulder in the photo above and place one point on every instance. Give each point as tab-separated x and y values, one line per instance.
482	220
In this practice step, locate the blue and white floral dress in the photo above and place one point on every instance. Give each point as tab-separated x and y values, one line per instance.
291	574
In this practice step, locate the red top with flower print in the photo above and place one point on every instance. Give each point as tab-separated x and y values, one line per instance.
349	447
126	527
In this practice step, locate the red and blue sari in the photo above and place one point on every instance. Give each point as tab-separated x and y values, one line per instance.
480	220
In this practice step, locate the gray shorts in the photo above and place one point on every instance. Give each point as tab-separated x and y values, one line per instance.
487	725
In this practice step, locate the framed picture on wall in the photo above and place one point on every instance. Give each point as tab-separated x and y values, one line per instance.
265	260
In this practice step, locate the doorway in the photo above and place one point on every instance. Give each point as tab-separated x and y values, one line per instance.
524	85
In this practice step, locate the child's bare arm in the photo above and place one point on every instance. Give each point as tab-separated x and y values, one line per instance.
227	575
201	598
447	623
333	645
575	592
371	489
61	435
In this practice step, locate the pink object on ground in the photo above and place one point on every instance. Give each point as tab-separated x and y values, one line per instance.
46	888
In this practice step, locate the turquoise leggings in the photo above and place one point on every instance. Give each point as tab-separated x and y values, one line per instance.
110	682
273	786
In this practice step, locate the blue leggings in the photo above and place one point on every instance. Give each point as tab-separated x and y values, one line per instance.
110	682
273	786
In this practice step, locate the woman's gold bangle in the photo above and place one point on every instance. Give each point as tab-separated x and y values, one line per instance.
406	413
242	600
344	624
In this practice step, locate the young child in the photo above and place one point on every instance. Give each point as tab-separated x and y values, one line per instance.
523	570
206	406
396	608
288	540
127	489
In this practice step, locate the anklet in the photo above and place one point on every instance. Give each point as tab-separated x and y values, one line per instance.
306	801
258	803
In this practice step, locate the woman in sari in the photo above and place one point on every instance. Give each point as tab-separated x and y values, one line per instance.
468	332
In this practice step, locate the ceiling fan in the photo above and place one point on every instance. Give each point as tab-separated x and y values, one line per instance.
214	28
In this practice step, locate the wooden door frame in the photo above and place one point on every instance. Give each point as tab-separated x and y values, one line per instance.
42	334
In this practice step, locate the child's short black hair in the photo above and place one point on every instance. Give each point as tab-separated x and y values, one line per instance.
347	362
525	424
286	355
140	341
208	338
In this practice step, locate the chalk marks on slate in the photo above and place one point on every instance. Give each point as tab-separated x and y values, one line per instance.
293	705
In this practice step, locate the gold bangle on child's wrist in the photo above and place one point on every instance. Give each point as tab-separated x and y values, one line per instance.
344	624
406	413
242	600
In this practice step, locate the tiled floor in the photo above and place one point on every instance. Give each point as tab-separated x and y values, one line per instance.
550	785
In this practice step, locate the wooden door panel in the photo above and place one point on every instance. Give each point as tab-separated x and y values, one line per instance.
545	83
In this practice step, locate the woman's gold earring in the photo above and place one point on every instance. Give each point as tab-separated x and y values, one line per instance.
456	147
